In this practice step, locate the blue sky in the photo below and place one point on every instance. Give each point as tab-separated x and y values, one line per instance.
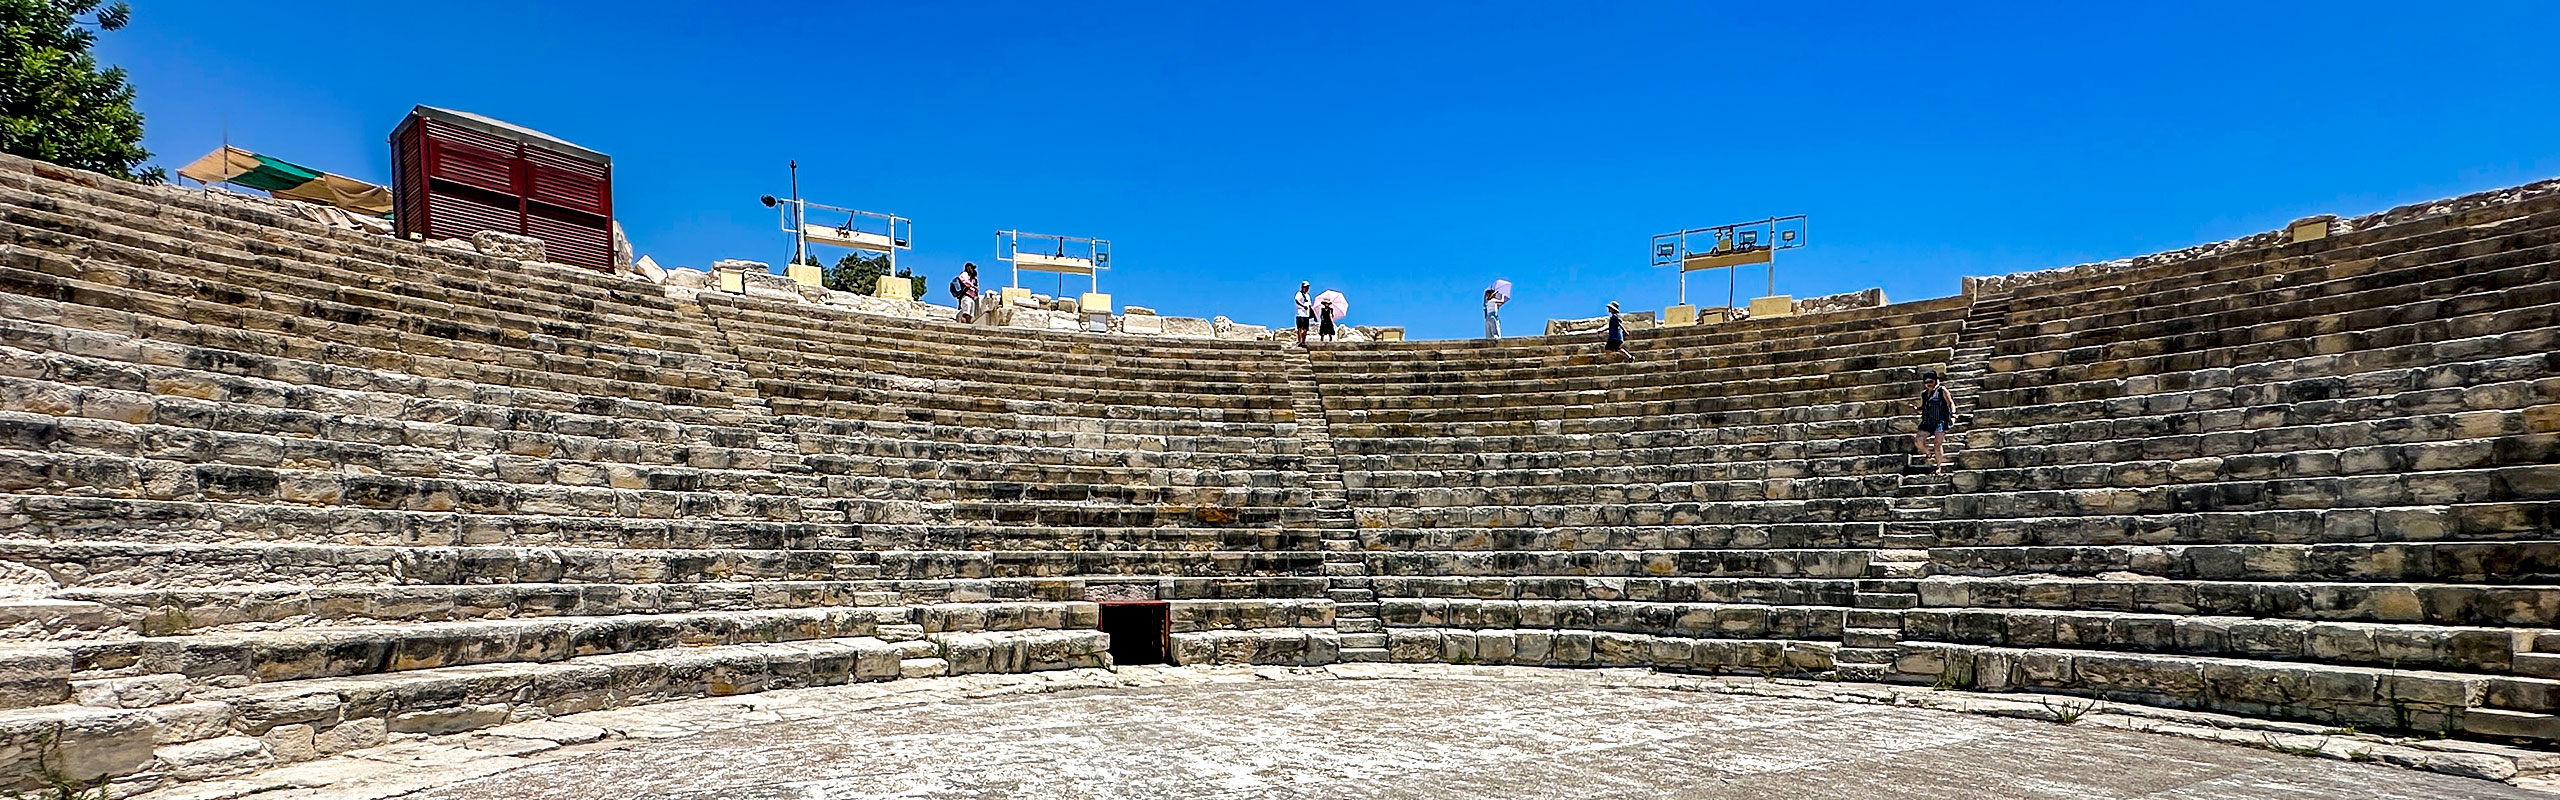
1410	154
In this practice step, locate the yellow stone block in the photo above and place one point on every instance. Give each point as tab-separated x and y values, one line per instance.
1094	303
1391	336
1015	295
1679	316
895	288
1776	305
2309	229
808	274
733	281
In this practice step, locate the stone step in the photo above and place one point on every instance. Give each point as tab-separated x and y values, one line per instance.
1870	637
1898	569
1363	655
1887	601
1364	640
1870	673
1359	625
2538	664
2510	722
1865	655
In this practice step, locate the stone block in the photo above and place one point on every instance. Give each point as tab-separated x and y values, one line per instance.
508	245
892	287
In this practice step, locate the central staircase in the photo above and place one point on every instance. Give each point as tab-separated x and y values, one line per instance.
1346	570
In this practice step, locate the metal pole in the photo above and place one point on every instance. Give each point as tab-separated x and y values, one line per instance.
799	219
1732	278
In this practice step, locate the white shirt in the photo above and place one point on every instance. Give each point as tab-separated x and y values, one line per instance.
1306	306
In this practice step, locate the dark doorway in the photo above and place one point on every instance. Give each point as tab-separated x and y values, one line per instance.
1139	631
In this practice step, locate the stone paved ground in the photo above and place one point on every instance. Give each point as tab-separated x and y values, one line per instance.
1527	735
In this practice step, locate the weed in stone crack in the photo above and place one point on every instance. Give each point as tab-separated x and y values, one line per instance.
58	786
2294	750
2066	712
2364	756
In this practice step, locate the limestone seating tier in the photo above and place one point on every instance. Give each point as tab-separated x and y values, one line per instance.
1281	646
1074	442
2414	305
993	339
2409	231
1679	619
1852	378
2074	296
1667	366
1809	563
44	274
993	380
1772	591
1609	649
1423	353
1646	484
587	303
2313	378
2438	648
100	520
157	566
2379	404
120	335
1623	538
2355	291
785	337
2456	522
2432	604
1042	416
1198	616
2493	562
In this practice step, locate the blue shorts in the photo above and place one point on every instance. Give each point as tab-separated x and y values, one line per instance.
1936	425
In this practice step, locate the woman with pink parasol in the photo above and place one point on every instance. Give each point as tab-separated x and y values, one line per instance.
1330	306
1494	297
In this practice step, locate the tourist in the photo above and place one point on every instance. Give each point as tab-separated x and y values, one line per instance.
1324	321
1306	312
964	291
1492	314
1616	347
1937	415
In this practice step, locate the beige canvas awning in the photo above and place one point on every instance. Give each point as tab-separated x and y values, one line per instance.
289	181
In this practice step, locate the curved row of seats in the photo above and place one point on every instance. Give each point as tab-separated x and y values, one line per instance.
273	490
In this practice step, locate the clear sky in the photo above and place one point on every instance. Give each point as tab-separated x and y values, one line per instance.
1410	154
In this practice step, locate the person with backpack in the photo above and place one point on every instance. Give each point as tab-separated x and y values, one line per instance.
1937	408
964	291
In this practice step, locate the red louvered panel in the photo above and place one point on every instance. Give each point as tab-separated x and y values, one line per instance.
452	217
568	189
578	243
472	165
447	132
564	162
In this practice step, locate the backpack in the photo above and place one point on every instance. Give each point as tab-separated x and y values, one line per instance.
956	291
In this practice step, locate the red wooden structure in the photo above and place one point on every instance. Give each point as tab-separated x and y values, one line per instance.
456	174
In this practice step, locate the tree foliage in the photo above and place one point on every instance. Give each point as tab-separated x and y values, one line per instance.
860	273
55	103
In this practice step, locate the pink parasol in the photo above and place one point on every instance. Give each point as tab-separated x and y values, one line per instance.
1502	290
1341	305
